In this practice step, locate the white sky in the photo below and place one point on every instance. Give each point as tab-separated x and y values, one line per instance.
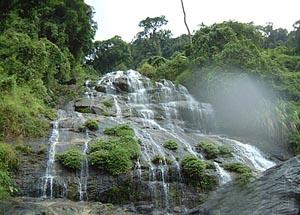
121	17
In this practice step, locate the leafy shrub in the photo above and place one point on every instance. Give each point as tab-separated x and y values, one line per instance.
108	103
120	131
171	145
157	160
243	171
84	110
115	161
117	154
5	184
8	162
212	150
194	170
294	142
71	158
91	125
23	148
8	157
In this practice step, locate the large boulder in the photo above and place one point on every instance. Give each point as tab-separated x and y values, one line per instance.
276	192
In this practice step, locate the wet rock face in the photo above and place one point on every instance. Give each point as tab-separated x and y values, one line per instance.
31	206
276	192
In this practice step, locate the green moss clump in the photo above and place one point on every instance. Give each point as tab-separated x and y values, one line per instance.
212	150
91	125
194	170
84	110
107	103
244	172
23	148
120	131
117	154
171	145
157	160
71	158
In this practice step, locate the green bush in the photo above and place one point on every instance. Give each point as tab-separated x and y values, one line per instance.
244	172
120	131
5	184
115	161
194	171
8	157
157	160
117	154
8	162
71	159
171	145
294	142
212	150
91	125
84	110
23	148
107	103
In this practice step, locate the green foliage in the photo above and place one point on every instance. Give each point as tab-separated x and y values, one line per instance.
5	184
21	114
243	171
24	149
72	158
294	142
91	125
110	55
213	150
8	157
120	131
117	154
171	145
8	162
157	160
108	103
194	170
84	109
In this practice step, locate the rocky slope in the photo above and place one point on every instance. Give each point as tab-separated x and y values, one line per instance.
276	192
158	112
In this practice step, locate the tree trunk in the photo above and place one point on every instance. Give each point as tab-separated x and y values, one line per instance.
186	25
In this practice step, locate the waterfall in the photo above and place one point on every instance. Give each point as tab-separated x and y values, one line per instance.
84	172
250	155
223	174
118	108
158	111
47	182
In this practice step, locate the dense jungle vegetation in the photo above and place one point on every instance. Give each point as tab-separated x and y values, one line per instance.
47	51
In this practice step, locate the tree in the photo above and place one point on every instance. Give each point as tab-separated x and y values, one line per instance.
185	22
152	41
111	54
274	37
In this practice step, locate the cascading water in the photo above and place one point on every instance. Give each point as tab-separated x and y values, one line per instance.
168	108
84	172
224	175
47	180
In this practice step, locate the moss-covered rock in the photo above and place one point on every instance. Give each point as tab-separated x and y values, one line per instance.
194	171
116	154
71	158
213	150
244	172
91	125
171	145
120	131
